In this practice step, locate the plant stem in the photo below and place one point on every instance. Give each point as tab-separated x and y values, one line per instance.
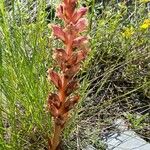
56	138
57	127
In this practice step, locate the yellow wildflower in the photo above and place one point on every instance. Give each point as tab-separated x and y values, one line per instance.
144	1
146	24
128	32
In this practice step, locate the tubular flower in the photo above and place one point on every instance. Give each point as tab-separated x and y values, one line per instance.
69	60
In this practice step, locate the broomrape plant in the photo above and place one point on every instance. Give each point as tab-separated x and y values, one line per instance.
69	61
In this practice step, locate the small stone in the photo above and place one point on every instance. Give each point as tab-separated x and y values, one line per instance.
121	124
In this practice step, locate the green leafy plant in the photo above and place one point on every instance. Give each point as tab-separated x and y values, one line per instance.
114	78
135	120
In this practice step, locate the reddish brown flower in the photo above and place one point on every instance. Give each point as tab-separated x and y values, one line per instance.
58	32
55	78
80	41
60	55
81	25
78	14
69	104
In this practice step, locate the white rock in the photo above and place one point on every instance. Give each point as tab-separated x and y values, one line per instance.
126	140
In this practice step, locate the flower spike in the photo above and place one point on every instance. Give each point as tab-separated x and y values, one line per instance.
68	59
